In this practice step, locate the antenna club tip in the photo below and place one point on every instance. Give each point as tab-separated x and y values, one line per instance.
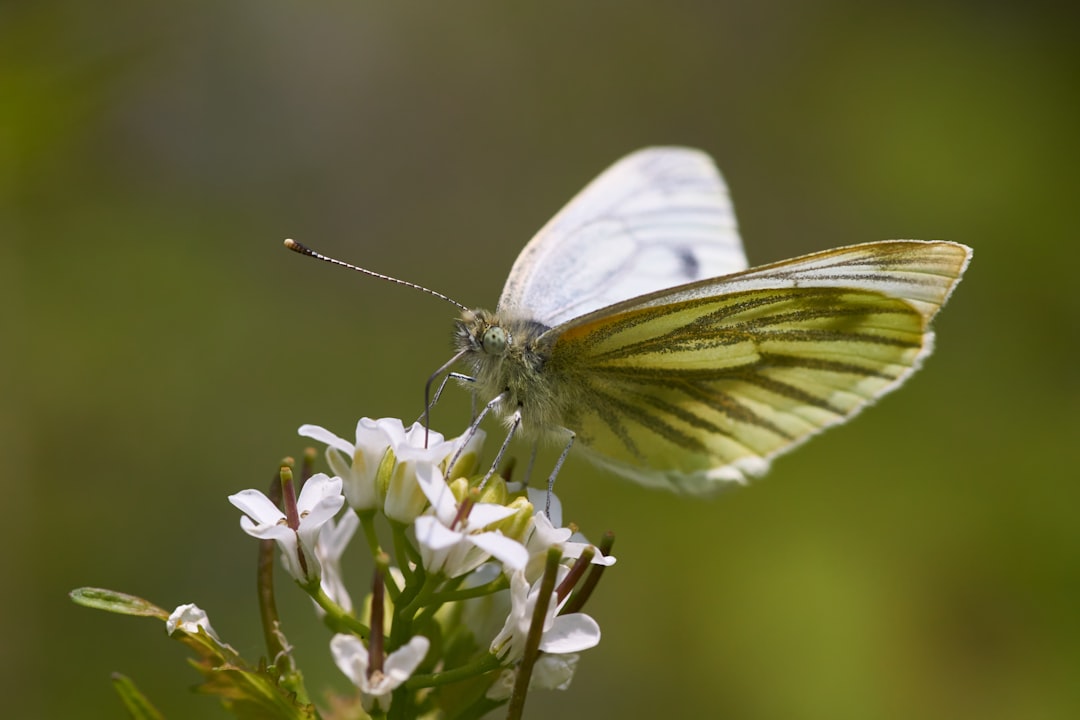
296	247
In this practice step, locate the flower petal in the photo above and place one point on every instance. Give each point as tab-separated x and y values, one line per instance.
318	487
189	618
401	663
506	550
266	531
484	514
438	493
417	435
325	436
433	534
554	672
335	538
337	463
543	499
571	633
351	657
257	506
469	453
573	550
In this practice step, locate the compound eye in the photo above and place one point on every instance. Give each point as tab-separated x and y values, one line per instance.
494	340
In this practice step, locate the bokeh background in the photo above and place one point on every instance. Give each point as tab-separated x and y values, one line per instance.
160	347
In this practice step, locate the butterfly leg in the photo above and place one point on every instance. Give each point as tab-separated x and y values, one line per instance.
428	402
515	423
438	394
473	426
532	463
555	470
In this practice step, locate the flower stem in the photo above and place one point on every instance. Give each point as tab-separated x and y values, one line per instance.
499	583
264	582
375	640
576	571
336	617
367	522
536	632
577	601
405	550
484	664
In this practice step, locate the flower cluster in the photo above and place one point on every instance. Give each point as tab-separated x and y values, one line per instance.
475	595
454	543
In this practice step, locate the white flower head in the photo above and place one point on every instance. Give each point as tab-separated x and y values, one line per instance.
370	485
453	540
503	687
551	672
373	439
320	499
402	498
329	548
189	618
541	534
562	634
352	658
554	672
467	449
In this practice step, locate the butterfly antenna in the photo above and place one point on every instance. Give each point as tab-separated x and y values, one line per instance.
305	250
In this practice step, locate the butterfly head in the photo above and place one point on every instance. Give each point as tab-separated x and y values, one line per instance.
479	331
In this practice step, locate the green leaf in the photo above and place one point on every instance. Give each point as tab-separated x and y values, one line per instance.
249	694
136	703
116	602
253	694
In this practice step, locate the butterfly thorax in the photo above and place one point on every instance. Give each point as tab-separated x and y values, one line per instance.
507	356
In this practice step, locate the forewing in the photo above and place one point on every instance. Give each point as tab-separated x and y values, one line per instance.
658	218
708	382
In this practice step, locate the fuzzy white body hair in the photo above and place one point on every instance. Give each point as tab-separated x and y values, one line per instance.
521	371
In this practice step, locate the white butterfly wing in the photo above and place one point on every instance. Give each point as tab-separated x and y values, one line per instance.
658	218
707	383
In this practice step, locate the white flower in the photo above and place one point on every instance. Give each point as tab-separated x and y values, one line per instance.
562	634
352	658
468	454
402	498
551	672
541	535
320	499
329	548
396	492
454	544
372	442
554	672
503	687
189	618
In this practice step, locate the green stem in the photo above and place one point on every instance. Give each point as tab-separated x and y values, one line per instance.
336	617
367	522
578	599
268	614
404	551
418	594
532	640
499	583
485	664
264	574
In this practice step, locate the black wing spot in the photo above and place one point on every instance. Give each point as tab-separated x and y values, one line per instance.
689	262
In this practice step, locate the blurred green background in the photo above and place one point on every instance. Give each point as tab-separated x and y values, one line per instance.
161	348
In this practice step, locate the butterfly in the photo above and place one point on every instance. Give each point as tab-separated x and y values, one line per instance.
631	325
